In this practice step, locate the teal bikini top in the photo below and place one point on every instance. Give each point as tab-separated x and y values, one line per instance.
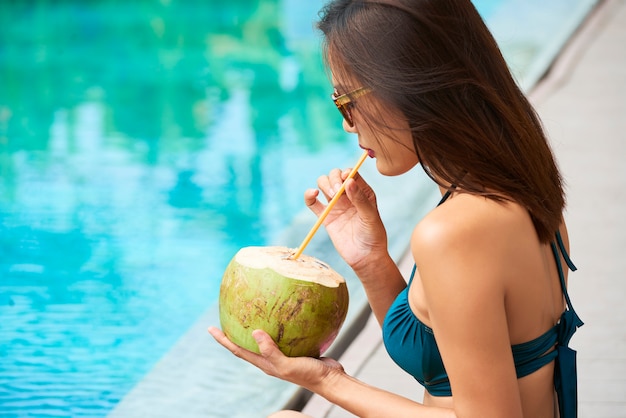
413	346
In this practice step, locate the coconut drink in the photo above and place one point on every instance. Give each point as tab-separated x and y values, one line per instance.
297	299
300	302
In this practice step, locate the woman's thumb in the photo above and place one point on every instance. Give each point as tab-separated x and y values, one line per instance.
265	342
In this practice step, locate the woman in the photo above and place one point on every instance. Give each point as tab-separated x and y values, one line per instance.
485	319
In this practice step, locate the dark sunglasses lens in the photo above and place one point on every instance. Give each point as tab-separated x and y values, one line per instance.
345	112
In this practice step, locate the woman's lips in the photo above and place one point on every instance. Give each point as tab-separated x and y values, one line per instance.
370	152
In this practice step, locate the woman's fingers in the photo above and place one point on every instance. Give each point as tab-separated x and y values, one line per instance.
223	340
271	360
310	199
335	179
267	346
359	198
270	356
365	188
330	184
325	186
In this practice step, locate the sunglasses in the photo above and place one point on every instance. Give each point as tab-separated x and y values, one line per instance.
345	102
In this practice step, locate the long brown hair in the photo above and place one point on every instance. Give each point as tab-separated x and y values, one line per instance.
438	64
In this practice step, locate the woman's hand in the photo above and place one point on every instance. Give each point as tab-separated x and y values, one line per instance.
327	378
307	372
354	224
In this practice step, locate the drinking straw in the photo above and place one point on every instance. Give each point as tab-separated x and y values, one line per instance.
330	205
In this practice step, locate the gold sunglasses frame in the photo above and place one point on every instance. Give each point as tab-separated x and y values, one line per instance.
344	100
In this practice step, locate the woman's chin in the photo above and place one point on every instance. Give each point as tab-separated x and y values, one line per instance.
391	170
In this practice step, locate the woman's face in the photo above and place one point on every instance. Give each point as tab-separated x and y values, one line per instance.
388	139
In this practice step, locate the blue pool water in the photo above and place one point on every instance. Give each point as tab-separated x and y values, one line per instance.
141	145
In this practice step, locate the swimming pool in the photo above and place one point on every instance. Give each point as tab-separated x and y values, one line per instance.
141	145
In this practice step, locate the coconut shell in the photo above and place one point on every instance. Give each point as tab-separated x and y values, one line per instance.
300	303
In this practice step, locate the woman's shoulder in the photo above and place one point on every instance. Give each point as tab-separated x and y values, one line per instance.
473	225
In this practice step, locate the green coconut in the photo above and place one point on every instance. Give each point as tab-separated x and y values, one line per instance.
301	303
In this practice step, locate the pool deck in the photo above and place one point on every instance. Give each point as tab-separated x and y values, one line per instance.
582	102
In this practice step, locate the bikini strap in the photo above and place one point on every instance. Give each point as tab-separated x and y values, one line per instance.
568	261
558	250
447	194
570	317
565	376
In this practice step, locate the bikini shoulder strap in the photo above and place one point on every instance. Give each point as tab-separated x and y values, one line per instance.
558	249
570	320
447	194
